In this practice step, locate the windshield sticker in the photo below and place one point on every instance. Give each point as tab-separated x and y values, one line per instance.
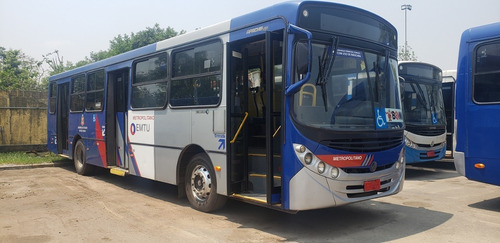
393	115
384	116
380	119
349	53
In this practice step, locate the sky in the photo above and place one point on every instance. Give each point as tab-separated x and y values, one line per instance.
77	28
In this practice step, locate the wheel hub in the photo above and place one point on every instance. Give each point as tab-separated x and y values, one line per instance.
201	183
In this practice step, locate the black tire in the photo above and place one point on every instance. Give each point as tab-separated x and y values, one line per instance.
80	159
201	185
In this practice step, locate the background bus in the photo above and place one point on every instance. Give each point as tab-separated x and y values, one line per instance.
423	109
478	104
292	107
449	78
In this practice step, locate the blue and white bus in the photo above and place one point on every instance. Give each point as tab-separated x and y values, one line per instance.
424	114
477	107
292	107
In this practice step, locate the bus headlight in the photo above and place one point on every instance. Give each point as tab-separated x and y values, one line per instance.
315	164
334	172
410	144
321	167
401	158
300	148
308	158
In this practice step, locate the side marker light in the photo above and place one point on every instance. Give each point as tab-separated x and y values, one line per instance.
217	168
479	165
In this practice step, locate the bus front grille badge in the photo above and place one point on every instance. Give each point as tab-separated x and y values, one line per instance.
373	166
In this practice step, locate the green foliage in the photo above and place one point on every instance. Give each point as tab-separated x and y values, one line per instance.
406	54
18	71
124	43
18	158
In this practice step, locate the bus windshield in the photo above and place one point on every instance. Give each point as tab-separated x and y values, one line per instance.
426	105
347	95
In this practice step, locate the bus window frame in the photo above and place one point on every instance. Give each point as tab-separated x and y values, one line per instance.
474	71
133	80
52	95
84	92
95	91
219	73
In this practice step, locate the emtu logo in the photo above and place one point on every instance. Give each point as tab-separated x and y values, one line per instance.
132	128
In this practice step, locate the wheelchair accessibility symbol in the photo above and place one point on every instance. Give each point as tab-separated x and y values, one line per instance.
434	119
381	120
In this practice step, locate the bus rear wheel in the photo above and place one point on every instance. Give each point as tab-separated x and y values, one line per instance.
80	159
201	185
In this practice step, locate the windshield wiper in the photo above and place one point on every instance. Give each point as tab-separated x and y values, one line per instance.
325	67
420	94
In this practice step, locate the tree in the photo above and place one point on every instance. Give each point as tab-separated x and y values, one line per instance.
19	71
124	43
118	45
406	54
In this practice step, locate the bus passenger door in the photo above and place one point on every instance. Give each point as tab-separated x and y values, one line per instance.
62	117
255	71
116	118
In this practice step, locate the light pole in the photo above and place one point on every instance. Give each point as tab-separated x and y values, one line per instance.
406	7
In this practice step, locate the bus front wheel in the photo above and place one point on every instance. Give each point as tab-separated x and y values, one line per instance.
201	185
80	159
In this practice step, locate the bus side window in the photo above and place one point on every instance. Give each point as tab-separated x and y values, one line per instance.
149	85
196	78
77	103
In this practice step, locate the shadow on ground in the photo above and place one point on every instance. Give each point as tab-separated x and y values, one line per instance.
490	204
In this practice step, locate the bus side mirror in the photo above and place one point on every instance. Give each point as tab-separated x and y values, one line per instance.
303	54
301	58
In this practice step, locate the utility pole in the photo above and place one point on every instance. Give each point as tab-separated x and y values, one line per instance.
406	8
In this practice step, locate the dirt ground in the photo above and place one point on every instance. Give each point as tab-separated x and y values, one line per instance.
54	204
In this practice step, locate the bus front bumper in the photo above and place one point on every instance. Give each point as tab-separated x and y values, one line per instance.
309	190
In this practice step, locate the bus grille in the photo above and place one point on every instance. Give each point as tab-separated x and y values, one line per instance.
426	131
363	144
359	170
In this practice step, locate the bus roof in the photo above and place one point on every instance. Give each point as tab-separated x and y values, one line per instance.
418	62
288	11
482	32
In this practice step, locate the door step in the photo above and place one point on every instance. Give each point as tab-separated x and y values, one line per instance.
117	171
256	197
258	182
